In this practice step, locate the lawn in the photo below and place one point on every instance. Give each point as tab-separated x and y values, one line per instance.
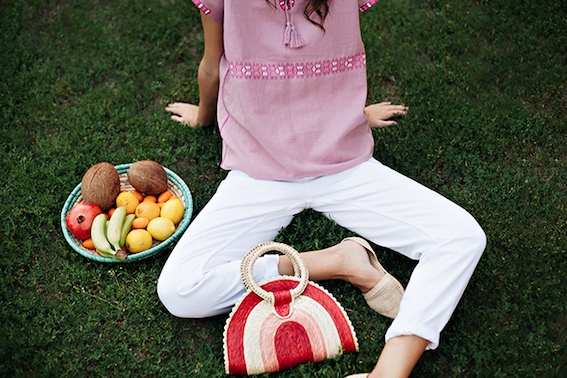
86	81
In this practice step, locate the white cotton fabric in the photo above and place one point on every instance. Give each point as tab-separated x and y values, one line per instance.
202	278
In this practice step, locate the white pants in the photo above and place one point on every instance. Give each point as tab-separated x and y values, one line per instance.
201	278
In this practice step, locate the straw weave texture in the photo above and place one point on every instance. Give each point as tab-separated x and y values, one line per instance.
284	322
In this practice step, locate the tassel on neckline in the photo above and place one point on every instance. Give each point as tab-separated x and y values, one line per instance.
292	38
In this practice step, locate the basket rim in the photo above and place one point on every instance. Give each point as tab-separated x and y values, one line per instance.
123	168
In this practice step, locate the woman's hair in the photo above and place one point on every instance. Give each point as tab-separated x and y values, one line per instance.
319	7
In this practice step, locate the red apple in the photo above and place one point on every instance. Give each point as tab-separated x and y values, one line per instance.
80	219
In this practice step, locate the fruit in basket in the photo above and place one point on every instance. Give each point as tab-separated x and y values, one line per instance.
161	228
138	241
147	209
98	234
128	200
140	223
80	219
100	241
101	185
165	196
88	243
126	227
173	209
150	198
114	227
148	177
138	195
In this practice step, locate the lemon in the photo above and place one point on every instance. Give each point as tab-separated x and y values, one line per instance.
174	210
148	210
128	200
138	241
161	228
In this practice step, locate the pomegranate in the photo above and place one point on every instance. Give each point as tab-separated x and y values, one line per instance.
80	219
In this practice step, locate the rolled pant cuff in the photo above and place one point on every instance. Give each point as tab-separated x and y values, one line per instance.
417	330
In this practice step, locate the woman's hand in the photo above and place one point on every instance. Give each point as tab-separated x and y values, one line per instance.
379	114
184	113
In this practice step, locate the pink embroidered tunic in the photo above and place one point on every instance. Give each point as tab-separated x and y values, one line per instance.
291	96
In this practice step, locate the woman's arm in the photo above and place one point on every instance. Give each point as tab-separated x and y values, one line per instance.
208	78
209	70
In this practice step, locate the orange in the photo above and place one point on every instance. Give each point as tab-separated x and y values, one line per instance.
88	244
150	198
128	200
147	209
164	196
140	223
138	195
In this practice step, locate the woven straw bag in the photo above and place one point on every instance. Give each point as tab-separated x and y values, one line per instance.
283	322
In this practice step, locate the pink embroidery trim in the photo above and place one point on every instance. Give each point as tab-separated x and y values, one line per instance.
368	5
202	7
241	70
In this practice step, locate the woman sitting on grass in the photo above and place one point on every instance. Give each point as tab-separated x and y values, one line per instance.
287	83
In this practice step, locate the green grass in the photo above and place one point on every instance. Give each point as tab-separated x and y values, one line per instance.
86	81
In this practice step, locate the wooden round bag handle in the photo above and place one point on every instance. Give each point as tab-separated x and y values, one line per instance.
299	268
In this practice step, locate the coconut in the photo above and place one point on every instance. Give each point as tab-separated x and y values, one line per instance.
101	185
148	177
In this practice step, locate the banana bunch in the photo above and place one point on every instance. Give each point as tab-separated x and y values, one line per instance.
110	236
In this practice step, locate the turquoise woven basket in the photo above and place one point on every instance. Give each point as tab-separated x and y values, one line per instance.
174	184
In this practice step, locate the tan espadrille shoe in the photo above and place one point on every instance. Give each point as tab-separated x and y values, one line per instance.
385	297
358	376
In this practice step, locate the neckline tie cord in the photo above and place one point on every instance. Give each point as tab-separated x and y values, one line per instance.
292	38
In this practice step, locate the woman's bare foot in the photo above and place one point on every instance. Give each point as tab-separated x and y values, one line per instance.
347	261
356	266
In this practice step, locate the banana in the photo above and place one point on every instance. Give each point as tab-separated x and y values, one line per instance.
107	254
98	234
126	227
115	227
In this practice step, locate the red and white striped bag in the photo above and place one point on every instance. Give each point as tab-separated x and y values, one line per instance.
284	322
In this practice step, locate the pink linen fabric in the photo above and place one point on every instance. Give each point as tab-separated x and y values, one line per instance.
288	113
